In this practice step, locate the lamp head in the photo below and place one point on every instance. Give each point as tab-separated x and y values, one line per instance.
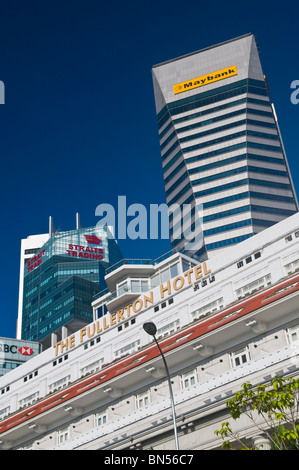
150	328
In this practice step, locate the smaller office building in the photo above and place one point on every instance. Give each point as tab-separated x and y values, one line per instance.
60	280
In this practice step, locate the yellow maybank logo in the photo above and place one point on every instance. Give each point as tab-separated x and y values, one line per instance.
205	79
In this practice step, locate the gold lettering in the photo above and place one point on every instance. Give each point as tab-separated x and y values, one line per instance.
205	269
197	272
72	341
99	330
105	323
149	299
120	315
188	275
163	289
113	319
175	283
90	333
64	345
82	333
56	348
127	308
137	309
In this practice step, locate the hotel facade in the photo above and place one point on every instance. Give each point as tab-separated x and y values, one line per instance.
221	147
220	323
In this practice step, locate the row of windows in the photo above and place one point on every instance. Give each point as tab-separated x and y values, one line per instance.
245	181
208	132
251	207
253	286
178	107
292	267
236	171
248	259
248	111
232	148
163	304
229	173
235	225
227	161
209	97
235	197
292	236
247	194
225	138
248	100
228	242
231	125
228	87
226	228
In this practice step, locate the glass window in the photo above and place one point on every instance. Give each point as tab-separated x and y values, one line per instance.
122	288
143	399
101	418
239	357
135	285
63	435
189	379
165	275
174	270
293	334
155	280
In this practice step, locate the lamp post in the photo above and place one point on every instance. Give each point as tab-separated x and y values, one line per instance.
150	328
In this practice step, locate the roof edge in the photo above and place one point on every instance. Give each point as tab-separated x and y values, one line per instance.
202	50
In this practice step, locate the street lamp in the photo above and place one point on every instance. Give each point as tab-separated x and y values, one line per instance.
150	329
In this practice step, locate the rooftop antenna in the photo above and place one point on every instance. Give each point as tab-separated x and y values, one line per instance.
78	223
52	229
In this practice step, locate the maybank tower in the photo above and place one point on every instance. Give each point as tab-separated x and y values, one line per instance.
222	152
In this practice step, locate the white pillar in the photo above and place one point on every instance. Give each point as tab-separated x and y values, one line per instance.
261	442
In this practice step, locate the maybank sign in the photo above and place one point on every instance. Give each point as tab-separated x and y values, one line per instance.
205	79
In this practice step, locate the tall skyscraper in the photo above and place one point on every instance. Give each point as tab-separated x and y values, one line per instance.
222	152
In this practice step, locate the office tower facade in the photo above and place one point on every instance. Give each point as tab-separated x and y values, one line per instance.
29	246
222	153
60	280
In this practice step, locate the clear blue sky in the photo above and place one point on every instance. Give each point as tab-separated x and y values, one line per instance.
78	127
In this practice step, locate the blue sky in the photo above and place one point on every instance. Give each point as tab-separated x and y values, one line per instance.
78	127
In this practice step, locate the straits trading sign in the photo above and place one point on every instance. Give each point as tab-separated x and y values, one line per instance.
205	79
168	288
88	248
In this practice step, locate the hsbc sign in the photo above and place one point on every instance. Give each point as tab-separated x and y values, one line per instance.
16	349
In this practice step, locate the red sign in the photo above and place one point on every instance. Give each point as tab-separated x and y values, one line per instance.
35	261
92	239
80	251
25	351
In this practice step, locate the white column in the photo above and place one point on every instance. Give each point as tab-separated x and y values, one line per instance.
261	442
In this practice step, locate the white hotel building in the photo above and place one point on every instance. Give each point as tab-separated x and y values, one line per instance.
232	319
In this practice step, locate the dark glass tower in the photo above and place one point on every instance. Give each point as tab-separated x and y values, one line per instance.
60	281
